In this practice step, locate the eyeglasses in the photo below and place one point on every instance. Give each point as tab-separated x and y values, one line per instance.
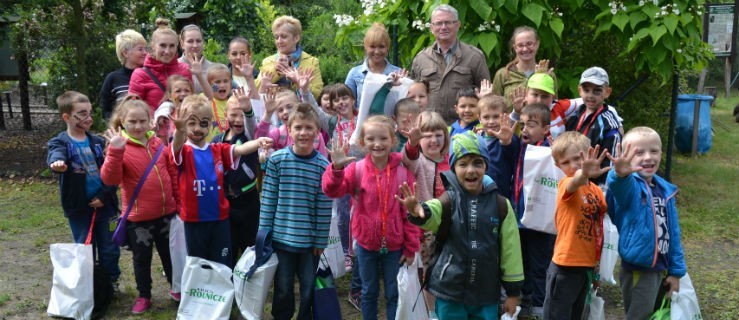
529	45
444	23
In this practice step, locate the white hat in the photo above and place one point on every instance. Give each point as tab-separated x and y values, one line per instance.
594	75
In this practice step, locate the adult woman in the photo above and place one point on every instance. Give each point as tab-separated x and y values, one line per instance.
150	82
287	32
376	46
130	47
524	44
191	42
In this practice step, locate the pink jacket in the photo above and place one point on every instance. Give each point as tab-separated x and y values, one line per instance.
158	196
282	139
144	86
366	220
424	169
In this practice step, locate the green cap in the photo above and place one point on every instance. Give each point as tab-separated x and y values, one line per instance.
541	81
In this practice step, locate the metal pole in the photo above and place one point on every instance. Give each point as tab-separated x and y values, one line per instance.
671	130
696	121
10	105
2	116
394	37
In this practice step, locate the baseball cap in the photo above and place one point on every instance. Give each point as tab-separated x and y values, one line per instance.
594	75
541	81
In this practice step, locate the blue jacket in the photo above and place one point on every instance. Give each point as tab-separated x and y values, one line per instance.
499	168
514	154
630	208
72	183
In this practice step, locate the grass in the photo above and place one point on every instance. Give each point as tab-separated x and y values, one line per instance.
31	219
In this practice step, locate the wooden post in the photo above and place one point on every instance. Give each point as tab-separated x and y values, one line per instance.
727	76
2	115
10	105
696	122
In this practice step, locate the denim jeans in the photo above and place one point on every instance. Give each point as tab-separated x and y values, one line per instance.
371	262
302	264
108	252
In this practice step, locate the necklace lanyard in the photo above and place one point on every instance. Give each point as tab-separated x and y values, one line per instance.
519	182
383	204
584	116
339	126
217	121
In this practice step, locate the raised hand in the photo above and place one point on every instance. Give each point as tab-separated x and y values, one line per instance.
517	98
409	200
592	161
505	133
115	138
485	88
196	65
339	160
292	74
245	67
413	134
543	67
270	105
397	75
622	163
266	84
241	95
304	79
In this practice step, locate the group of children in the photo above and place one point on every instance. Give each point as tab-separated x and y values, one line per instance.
410	184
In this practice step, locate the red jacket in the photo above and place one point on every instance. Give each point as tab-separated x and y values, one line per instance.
144	86
366	221
158	196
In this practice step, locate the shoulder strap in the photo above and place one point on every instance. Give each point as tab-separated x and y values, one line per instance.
141	183
156	80
358	173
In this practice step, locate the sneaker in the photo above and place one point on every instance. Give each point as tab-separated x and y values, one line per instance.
141	305
348	263
355	299
116	288
176	296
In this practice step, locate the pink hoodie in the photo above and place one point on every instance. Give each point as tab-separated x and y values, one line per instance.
366	220
146	88
282	139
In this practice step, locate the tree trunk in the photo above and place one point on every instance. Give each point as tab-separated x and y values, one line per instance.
24	76
79	41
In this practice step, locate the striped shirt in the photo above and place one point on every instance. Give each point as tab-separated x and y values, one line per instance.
293	204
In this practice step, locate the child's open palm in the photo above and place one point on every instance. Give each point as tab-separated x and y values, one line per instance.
485	88
413	134
196	65
591	162
241	96
622	163
517	98
270	105
115	138
505	133
304	79
409	200
339	158
246	67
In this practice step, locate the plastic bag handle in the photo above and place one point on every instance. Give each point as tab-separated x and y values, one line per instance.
262	250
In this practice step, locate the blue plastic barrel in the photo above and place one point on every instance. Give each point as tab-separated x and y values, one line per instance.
684	123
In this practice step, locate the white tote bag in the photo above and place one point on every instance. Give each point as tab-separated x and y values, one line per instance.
177	250
72	288
540	180
684	305
207	290
333	256
609	254
596	309
411	302
251	289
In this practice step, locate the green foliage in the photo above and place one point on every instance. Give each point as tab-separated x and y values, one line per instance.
215	52
225	19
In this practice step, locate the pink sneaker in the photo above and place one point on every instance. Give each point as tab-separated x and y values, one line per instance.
176	296
141	305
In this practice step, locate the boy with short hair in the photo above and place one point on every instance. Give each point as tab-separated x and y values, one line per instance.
492	108
536	246
204	208
467	111
77	156
581	206
594	118
241	184
642	206
297	211
479	247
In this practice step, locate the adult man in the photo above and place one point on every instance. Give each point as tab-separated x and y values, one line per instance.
449	64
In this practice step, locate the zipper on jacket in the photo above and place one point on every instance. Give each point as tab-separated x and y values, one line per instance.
445	266
654	218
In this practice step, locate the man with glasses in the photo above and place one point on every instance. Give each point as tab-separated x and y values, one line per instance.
449	64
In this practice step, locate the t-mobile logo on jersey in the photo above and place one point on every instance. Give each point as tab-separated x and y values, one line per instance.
199	186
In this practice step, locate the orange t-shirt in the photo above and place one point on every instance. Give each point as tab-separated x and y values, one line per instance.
579	221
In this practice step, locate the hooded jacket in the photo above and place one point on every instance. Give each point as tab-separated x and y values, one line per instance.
125	166
146	88
630	206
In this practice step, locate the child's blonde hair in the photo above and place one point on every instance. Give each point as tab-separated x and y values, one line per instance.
492	102
640	132
379	120
65	102
430	121
303	111
195	104
215	68
130	102
566	140
125	41
161	30
538	111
